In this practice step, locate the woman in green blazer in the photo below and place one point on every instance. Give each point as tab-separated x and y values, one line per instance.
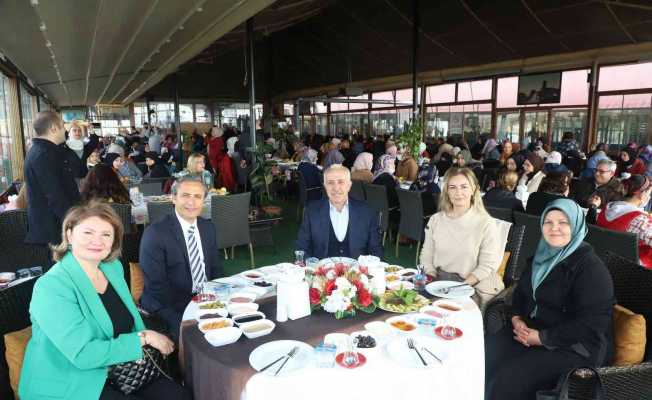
84	319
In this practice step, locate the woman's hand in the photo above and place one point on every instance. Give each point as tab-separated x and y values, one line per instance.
158	341
524	335
471	280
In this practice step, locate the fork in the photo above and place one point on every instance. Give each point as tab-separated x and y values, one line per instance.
291	354
446	290
410	343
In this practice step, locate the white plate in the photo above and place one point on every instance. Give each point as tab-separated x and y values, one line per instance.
223	336
257	275
399	351
268	352
435	289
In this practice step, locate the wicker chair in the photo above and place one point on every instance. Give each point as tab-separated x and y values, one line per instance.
377	199
124	212
633	289
412	218
506	214
15	252
603	240
357	191
158	210
230	217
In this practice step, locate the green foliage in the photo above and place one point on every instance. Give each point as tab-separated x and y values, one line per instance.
411	138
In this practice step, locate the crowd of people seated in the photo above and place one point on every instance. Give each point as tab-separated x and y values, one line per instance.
84	318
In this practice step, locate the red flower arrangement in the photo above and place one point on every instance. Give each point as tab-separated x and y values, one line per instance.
341	289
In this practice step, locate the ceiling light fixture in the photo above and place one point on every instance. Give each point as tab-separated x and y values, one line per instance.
34	3
200	9
181	28
167	40
42	27
48	43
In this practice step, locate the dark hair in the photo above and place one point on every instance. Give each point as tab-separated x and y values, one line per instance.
103	183
555	183
46	120
635	184
568	135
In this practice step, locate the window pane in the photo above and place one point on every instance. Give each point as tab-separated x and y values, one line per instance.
507	126
201	113
359	106
6	174
624	77
185	112
440	94
320	108
405	96
474	90
574	90
389	96
624	119
28	115
568	121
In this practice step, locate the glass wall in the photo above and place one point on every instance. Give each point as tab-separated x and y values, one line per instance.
624	119
236	115
140	114
6	175
164	114
202	113
28	113
568	121
114	120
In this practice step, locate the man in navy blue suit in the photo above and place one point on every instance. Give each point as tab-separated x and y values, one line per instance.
339	226
178	254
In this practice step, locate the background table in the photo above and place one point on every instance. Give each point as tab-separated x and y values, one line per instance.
225	373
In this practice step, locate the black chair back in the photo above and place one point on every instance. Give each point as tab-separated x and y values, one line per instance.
151	188
357	191
377	199
506	214
14	252
624	244
124	212
156	210
514	246
412	221
230	217
532	235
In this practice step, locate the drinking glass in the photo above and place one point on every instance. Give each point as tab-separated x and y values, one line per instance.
325	355
36	271
298	258
350	354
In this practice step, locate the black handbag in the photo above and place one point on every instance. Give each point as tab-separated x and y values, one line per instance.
561	391
130	376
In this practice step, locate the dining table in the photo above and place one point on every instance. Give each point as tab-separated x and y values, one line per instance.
224	373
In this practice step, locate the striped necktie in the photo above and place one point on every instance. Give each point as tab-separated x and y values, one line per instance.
196	262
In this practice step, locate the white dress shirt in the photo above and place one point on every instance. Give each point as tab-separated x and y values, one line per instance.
339	220
184	228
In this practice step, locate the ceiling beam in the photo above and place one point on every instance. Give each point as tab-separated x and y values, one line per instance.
91	51
425	35
620	24
484	25
224	23
131	42
626	4
545	28
165	38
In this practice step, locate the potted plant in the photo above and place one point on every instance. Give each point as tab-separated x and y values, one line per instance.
411	138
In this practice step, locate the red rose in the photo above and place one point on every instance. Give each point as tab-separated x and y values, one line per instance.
330	286
358	285
315	296
364	270
364	297
340	269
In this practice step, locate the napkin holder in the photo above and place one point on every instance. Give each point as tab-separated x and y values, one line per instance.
376	270
292	299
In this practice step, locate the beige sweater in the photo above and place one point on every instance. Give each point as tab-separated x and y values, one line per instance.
466	245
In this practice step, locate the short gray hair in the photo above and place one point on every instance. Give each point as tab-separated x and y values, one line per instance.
186	179
336	168
609	163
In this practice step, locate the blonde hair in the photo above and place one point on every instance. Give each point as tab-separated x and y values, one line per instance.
192	161
82	212
476	199
507	180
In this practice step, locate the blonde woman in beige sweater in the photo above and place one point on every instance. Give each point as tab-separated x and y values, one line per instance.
462	239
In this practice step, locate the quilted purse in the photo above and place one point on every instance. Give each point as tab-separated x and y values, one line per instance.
130	376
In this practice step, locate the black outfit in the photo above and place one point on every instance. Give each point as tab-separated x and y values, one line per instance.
582	190
501	198
166	267
538	201
51	190
121	318
574	318
158	170
337	248
73	162
386	179
349	157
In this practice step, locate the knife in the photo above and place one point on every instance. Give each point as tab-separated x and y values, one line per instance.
287	358
432	354
272	363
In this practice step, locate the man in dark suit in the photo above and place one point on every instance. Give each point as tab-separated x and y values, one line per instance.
51	186
178	254
339	226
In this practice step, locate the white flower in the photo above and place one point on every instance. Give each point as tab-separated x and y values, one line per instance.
330	274
342	283
336	302
365	280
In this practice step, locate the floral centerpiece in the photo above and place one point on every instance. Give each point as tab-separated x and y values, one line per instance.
341	289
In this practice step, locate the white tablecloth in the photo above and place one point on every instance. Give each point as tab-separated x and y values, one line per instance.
460	377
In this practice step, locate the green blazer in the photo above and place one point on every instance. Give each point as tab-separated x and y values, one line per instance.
72	342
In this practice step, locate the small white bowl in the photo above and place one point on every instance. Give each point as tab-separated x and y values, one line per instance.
396	285
366	333
407	273
337	339
202	325
244	295
432	311
6	278
397	318
268	328
393	269
390	278
379	328
222	312
238	317
242	308
222	337
253	276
